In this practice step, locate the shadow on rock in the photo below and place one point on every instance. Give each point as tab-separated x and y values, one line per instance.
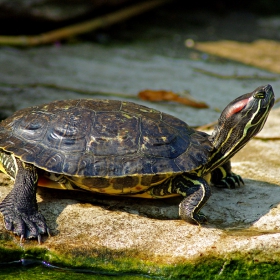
242	207
226	209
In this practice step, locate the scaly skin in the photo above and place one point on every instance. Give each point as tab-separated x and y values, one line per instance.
20	208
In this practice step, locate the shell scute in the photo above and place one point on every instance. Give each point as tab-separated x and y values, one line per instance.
29	152
52	160
100	105
91	182
197	152
33	126
71	163
162	165
141	111
112	134
119	183
160	140
138	165
70	131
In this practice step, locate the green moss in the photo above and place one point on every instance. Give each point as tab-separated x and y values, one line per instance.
212	267
9	252
42	273
8	255
207	268
104	263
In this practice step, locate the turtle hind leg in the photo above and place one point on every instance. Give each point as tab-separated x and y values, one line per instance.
223	177
195	191
19	207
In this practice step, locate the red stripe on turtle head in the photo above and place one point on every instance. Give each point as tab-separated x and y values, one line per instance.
237	107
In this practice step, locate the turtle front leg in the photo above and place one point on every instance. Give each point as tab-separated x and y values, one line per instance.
196	192
223	177
19	207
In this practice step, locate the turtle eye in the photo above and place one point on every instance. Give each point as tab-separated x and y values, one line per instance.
259	95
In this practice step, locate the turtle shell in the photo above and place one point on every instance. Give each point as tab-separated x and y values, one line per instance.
103	138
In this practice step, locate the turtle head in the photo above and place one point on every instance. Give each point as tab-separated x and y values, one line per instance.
242	119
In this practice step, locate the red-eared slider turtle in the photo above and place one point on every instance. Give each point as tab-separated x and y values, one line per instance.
121	148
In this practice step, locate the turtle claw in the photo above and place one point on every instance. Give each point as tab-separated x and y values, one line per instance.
40	236
39	239
232	181
21	239
24	225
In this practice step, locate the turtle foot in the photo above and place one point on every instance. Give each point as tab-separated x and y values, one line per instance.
232	181
196	219
25	225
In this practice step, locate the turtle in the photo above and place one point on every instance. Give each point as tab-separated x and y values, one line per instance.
121	148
